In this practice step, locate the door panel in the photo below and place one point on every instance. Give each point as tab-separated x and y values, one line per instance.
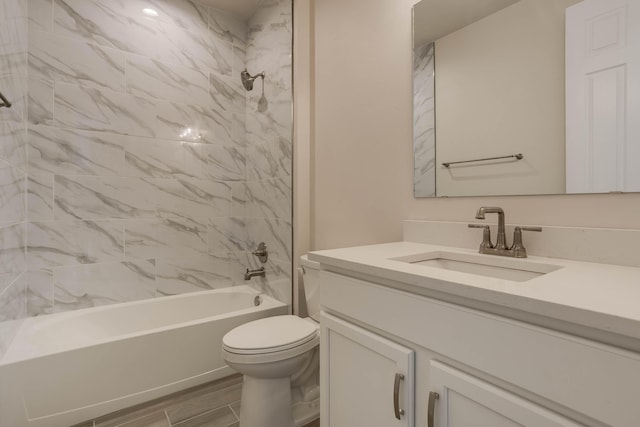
603	96
466	401
358	370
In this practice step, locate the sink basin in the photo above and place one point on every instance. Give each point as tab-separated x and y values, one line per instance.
517	270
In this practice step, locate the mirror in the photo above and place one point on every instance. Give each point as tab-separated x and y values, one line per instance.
502	108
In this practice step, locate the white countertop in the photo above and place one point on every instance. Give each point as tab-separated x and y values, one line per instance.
602	297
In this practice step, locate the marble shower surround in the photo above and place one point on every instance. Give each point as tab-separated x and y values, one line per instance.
424	126
139	155
13	84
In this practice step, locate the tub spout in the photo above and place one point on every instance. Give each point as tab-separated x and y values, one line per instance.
253	273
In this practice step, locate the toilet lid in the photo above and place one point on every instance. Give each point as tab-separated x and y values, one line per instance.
270	334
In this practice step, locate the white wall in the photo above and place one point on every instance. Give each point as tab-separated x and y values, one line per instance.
503	78
362	121
362	187
303	119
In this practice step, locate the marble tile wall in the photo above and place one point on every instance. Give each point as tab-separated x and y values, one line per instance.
424	127
139	158
268	191
13	84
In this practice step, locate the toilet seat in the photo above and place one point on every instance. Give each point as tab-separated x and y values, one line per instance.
270	340
270	335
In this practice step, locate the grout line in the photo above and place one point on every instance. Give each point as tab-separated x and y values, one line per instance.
166	416
234	412
27	126
125	73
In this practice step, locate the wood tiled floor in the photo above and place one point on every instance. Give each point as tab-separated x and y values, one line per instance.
216	404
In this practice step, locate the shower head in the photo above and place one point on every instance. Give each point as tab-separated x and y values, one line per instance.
248	79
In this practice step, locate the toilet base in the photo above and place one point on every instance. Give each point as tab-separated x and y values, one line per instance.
272	412
305	412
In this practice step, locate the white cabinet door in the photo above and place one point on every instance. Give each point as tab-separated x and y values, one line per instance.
603	96
466	401
366	380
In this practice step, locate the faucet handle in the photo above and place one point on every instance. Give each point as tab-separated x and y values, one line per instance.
529	228
486	236
518	248
261	252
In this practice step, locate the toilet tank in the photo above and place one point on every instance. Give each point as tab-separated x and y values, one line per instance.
310	281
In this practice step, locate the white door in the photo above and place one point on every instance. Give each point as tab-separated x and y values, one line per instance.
603	96
466	401
366	380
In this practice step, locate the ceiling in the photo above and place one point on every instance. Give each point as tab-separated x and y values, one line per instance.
434	19
243	8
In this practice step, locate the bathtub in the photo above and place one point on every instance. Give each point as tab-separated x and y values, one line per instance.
65	368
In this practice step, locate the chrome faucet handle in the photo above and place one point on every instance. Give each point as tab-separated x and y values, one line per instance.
518	248
486	236
261	252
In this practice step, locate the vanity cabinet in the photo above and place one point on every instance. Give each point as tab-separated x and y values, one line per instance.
487	370
368	379
463	400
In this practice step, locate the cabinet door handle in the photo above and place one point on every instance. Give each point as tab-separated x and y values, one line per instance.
396	396
431	411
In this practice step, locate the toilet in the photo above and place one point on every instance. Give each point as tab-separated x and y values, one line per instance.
279	359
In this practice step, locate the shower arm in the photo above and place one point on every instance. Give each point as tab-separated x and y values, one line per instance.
248	79
246	76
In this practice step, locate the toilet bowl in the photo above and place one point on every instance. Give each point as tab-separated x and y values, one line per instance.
278	357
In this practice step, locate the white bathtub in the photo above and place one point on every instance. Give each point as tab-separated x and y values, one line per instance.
65	368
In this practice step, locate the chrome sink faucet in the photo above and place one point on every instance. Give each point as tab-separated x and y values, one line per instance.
501	242
517	250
